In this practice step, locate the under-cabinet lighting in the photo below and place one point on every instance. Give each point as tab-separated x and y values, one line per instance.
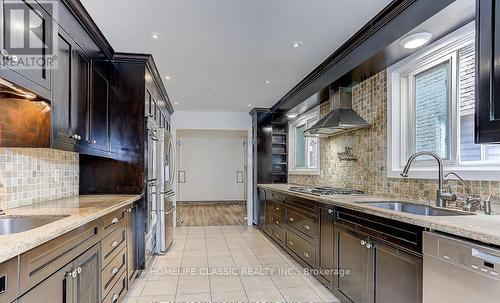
415	40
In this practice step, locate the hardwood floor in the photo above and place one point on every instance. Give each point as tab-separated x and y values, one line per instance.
210	213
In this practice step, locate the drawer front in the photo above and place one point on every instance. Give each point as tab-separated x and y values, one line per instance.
279	208
113	243
44	260
111	221
305	250
277	197
8	280
112	272
278	219
118	291
279	234
303	224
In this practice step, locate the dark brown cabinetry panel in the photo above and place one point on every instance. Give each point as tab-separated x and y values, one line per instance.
352	255
80	85
326	244
87	283
55	289
98	118
488	72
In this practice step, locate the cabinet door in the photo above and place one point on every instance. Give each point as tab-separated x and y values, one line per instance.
398	275
326	249
87	283
62	95
99	127
487	109
131	243
58	288
27	47
352	255
80	101
262	208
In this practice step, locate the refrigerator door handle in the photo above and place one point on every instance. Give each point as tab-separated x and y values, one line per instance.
170	210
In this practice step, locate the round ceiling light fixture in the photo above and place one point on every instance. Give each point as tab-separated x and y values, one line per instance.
155	35
249	105
415	40
176	103
268	81
296	44
168	77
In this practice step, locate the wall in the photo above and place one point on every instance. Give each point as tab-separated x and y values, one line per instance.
210	160
369	173
32	175
220	121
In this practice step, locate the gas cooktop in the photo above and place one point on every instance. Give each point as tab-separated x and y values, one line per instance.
325	191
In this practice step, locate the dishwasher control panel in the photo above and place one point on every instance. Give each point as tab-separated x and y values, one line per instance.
481	259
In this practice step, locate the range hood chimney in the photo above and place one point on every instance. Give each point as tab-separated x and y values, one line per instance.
341	119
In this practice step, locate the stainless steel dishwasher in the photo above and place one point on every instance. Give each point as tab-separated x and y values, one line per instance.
458	271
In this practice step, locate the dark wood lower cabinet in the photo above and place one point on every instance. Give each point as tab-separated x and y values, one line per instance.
326	263
87	283
353	257
55	289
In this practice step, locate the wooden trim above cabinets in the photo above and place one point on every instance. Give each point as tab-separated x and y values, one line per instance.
76	7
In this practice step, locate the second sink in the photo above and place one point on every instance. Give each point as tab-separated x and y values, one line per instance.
414	208
16	224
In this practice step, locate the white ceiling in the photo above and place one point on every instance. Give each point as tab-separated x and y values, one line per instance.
221	52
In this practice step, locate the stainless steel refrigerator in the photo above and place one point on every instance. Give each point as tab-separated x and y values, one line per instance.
152	192
166	207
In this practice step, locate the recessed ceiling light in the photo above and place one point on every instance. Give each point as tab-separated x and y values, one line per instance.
176	103
155	35
292	115
296	44
168	77
268	81
415	40
210	95
249	105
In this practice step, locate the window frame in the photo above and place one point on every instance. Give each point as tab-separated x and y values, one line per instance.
400	97
292	132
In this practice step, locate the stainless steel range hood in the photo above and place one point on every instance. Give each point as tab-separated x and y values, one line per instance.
341	119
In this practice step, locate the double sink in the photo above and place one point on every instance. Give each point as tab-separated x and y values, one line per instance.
16	224
414	208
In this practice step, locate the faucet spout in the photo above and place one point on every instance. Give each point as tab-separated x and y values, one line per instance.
441	195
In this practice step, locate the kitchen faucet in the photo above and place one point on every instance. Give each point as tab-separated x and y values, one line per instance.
441	195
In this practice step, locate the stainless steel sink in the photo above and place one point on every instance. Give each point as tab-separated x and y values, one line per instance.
414	208
16	224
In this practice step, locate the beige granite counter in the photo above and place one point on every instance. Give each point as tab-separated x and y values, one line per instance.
480	227
79	211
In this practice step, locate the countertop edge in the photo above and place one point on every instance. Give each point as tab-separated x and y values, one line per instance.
422	221
38	240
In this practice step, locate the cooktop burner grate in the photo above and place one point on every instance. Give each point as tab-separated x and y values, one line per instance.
325	191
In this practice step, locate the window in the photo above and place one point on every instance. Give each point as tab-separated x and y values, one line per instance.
303	151
431	108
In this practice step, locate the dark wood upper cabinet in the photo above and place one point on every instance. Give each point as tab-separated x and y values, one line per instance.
81	86
24	50
99	116
488	72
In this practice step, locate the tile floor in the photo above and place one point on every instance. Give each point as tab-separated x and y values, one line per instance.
226	264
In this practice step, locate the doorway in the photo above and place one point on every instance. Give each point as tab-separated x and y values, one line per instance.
212	173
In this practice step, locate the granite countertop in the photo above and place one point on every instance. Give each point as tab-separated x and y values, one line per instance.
79	210
480	227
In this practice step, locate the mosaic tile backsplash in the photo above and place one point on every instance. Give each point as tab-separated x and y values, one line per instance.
369	173
33	175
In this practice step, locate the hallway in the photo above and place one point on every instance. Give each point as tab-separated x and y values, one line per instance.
226	264
211	213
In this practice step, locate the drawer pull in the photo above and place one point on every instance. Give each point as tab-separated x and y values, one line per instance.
290	242
114	220
114	271
277	222
115	297
307	227
330	210
306	255
290	219
277	209
114	244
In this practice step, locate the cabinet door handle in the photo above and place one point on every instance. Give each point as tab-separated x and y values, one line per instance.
114	220
307	227
290	219
306	255
74	274
368	245
114	244
277	209
277	222
290	242
114	271
79	270
363	242
115	297
330	211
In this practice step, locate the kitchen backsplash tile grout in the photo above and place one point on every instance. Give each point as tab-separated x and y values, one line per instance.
33	175
369	173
